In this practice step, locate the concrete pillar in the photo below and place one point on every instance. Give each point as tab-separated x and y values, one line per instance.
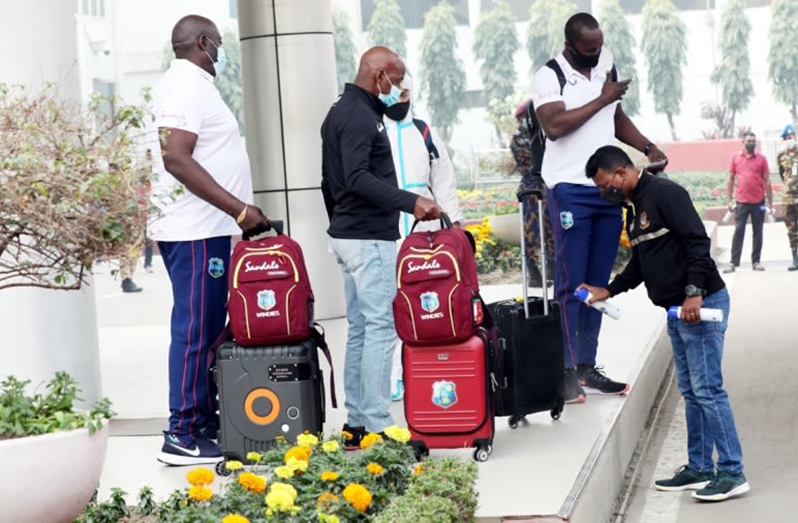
45	331
288	69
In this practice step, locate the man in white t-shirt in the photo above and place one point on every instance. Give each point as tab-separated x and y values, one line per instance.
577	101
204	192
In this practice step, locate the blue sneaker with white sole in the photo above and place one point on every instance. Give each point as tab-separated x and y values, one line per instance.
398	391
201	451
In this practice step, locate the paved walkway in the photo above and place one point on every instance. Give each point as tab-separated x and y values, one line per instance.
761	376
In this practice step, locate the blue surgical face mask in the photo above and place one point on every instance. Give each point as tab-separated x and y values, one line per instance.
392	96
221	59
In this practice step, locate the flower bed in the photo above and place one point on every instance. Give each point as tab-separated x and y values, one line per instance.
315	481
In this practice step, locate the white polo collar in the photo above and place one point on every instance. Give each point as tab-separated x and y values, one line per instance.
602	66
182	63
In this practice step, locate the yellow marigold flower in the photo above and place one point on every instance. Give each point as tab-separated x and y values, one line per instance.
284	472
418	469
346	435
330	446
200	476
279	500
297	464
254	456
375	469
302	453
235	518
329	475
233	465
307	440
370	439
200	493
269	513
284	487
333	519
358	496
326	500
398	434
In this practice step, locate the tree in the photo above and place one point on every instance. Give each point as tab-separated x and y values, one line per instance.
733	72
229	83
545	34
665	49
345	51
618	38
783	54
495	43
443	74
387	27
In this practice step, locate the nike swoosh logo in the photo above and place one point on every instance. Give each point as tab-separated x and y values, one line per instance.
194	453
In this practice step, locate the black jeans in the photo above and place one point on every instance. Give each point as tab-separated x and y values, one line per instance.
741	214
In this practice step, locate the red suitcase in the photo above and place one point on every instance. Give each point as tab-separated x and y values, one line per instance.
448	396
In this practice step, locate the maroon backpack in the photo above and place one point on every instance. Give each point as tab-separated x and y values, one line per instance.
437	292
271	301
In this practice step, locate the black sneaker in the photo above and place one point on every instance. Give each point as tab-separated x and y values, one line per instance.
128	285
201	451
685	478
595	381
573	392
357	434
723	487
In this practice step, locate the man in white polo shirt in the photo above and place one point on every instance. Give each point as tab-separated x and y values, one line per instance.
577	100
204	191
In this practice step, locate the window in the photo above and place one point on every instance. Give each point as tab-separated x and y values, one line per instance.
413	11
636	6
521	7
233	8
107	108
91	7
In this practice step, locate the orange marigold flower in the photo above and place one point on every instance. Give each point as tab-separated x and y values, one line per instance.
375	469
346	435
358	496
418	469
370	439
235	518
252	482
301	453
200	476
200	493
326	500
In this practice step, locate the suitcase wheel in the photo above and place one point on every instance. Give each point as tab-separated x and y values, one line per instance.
555	413
419	450
515	420
481	453
222	470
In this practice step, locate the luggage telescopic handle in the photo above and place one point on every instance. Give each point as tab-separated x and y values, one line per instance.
525	292
274	225
446	223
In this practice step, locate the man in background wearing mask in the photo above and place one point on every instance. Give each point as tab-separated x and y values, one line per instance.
670	254
363	203
788	170
578	105
750	170
422	167
528	155
204	191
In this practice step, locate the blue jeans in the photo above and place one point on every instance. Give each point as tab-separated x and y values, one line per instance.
369	270
587	229
697	354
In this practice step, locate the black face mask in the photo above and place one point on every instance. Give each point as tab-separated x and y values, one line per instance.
613	194
582	60
398	111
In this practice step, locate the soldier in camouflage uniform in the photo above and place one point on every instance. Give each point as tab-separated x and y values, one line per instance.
528	155
788	170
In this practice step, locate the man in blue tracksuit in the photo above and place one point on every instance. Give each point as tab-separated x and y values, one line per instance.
578	105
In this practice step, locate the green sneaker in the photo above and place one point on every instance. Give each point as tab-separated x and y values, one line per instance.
684	478
723	487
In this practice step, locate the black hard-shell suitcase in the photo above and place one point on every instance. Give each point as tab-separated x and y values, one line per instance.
528	361
266	392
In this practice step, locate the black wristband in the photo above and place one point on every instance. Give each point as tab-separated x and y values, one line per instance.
648	147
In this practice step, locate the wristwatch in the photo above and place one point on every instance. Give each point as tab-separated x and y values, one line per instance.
648	147
691	291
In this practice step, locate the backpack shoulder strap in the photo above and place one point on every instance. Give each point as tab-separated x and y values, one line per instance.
554	66
423	128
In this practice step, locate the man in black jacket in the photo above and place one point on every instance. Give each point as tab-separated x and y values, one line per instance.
363	203
670	254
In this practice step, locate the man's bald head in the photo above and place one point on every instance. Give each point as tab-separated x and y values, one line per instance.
197	39
379	68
